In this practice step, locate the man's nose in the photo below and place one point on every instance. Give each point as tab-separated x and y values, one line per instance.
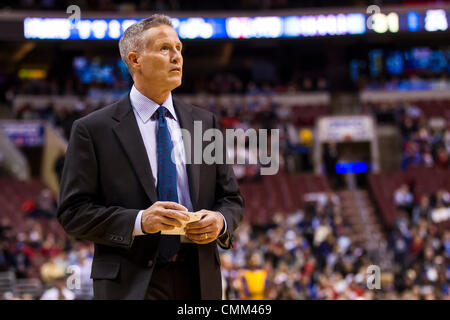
176	57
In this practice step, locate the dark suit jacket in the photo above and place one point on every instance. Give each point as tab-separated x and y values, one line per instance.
107	179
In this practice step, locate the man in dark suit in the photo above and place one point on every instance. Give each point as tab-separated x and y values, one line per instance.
126	180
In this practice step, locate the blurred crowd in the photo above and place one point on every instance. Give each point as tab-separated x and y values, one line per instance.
255	109
42	207
62	266
217	83
307	254
262	112
413	80
38	249
421	245
227	82
425	140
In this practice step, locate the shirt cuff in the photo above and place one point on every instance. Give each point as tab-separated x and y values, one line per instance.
224	238
138	225
225	228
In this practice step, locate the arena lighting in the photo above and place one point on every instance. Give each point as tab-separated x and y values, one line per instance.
46	28
246	27
325	25
29	73
194	28
351	167
202	28
413	21
436	20
257	27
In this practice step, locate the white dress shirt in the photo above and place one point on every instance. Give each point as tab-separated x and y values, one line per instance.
143	109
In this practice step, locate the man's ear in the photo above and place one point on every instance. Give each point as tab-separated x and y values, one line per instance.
133	59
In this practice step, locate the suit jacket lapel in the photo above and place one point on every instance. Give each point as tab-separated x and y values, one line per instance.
184	114
130	138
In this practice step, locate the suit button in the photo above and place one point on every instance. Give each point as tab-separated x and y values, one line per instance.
150	263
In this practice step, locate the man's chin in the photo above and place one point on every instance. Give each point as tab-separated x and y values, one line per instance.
176	84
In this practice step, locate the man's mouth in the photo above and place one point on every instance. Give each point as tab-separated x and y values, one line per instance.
176	69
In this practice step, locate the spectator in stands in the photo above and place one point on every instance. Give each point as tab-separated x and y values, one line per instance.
50	247
442	159
64	118
4	257
422	210
442	199
427	156
385	114
411	157
19	260
446	243
5	228
47	202
446	138
59	165
330	159
244	166
51	271
58	291
45	206
403	198
321	233
254	279
26	112
35	236
229	275
84	262
413	111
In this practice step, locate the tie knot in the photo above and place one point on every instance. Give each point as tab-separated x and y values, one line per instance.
161	113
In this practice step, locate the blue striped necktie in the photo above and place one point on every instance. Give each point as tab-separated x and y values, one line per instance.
167	183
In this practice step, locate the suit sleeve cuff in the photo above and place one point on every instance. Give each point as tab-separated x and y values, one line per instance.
224	238
137	225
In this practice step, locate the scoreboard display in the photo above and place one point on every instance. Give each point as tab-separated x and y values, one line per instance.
333	24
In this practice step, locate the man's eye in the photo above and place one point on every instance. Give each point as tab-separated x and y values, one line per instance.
165	48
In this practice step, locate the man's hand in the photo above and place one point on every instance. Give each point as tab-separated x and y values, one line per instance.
207	229
162	215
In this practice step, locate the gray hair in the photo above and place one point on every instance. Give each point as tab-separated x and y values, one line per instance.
132	38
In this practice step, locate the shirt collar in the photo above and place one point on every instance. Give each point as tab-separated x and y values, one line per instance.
146	107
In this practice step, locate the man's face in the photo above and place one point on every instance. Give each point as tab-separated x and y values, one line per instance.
161	60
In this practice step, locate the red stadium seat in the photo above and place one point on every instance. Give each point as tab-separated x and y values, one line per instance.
279	193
